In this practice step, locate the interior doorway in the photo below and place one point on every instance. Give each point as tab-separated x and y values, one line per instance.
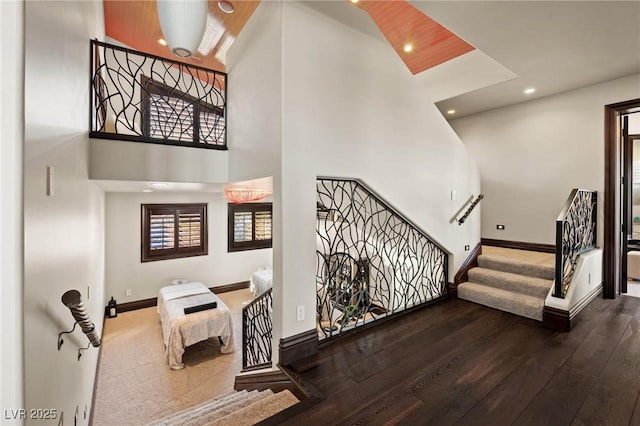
630	281
618	197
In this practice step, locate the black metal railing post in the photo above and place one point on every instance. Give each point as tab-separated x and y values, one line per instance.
257	333
576	228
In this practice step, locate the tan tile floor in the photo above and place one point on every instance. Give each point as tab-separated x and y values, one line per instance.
135	384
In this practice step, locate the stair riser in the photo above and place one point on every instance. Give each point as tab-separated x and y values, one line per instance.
531	310
511	283
535	271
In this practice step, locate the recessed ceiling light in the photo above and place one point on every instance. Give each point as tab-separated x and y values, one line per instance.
162	42
529	90
354	1
225	6
158	184
451	111
147	190
408	47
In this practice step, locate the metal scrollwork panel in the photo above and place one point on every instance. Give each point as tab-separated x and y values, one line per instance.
136	96
371	262
257	332
578	234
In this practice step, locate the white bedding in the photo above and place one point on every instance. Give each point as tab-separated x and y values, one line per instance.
261	281
180	330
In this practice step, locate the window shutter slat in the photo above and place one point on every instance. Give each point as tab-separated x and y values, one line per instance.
263	225
170	118
189	230
243	227
161	231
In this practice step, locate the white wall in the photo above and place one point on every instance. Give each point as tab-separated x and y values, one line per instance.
11	222
254	105
254	123
532	154
121	160
125	271
352	109
63	233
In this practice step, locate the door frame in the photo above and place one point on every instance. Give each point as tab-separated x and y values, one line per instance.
612	253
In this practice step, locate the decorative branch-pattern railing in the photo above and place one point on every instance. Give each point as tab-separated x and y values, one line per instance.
575	234
145	98
470	209
372	261
257	332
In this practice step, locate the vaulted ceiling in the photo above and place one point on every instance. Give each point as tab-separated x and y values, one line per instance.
471	56
135	23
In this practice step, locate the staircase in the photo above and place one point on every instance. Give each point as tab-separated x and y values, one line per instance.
235	408
515	281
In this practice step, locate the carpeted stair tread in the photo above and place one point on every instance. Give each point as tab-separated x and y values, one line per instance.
517	266
259	410
181	417
509	281
504	300
209	417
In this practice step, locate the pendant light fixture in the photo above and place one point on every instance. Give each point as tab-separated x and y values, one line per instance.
251	190
183	23
239	195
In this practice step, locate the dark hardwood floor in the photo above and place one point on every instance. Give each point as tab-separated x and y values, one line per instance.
461	363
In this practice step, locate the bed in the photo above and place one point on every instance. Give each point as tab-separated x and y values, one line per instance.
261	281
180	330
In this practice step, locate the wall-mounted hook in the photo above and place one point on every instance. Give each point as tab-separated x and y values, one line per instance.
60	340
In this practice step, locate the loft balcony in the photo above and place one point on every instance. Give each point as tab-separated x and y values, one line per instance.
145	98
166	105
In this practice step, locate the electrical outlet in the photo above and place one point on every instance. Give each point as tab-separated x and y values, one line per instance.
127	292
89	292
500	227
453	195
300	313
466	248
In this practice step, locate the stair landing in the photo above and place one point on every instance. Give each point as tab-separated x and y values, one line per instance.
515	281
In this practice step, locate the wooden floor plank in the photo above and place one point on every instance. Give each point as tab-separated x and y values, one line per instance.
613	397
560	400
451	399
595	351
457	361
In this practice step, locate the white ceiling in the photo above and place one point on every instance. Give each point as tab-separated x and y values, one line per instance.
553	46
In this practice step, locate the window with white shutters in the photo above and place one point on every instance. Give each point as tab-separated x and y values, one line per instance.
173	230
249	226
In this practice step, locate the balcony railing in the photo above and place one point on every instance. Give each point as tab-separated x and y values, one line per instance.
372	262
575	234
257	332
145	98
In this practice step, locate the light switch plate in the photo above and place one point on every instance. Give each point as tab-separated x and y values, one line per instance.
50	181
